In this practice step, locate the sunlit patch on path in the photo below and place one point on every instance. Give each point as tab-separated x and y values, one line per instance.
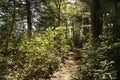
68	69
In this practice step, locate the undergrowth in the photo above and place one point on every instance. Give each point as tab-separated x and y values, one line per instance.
34	58
100	62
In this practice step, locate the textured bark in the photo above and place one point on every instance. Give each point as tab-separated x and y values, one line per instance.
96	24
11	29
29	23
58	6
116	28
59	17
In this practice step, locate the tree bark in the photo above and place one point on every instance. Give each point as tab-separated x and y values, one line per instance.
9	37
59	14
29	22
96	23
58	6
116	21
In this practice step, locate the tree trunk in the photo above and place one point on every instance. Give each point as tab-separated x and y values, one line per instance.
29	23
59	13
58	6
9	37
116	21
66	29
96	24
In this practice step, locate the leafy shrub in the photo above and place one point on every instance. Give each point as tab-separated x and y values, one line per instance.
111	48
113	51
37	57
95	65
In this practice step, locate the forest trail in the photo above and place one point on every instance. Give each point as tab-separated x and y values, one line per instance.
68	70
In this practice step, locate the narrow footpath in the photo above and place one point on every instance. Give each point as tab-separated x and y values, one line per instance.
69	69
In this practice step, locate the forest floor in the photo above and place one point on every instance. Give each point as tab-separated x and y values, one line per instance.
69	69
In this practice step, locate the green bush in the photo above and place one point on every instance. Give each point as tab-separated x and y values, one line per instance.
37	57
113	51
111	48
95	64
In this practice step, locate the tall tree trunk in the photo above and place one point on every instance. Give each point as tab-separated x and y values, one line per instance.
96	24
66	29
59	16
9	37
29	23
58	6
116	28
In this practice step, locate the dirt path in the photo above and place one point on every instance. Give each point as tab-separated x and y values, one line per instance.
68	69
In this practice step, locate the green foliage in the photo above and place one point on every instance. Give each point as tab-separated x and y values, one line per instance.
113	53
95	65
37	57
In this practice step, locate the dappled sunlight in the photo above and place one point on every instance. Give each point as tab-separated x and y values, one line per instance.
59	40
